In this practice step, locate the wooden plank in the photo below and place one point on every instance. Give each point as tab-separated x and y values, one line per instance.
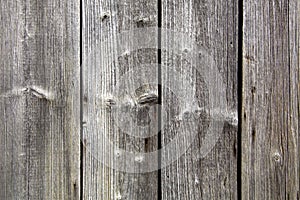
39	99
209	31
270	144
108	64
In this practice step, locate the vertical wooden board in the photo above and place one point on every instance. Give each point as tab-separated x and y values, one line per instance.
39	99
201	45
108	64
270	135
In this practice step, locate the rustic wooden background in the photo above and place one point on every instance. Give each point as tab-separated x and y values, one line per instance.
44	102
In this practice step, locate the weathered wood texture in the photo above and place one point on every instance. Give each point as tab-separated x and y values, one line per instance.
270	137
213	27
39	99
106	64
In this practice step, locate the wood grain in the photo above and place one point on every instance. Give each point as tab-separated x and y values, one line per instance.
39	99
270	138
213	26
106	63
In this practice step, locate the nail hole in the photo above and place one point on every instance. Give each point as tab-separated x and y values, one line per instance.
117	153
110	102
139	159
105	16
253	134
253	89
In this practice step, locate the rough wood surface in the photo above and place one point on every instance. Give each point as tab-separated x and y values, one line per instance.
106	63
213	27
39	99
270	139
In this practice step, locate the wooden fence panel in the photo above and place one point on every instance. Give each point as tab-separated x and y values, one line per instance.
212	26
39	99
109	63
270	138
128	48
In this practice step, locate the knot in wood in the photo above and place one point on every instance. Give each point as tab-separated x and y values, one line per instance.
110	102
142	21
277	157
104	16
147	98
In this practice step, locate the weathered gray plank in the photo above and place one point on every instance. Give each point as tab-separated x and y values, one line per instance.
107	65
211	26
39	99
270	138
